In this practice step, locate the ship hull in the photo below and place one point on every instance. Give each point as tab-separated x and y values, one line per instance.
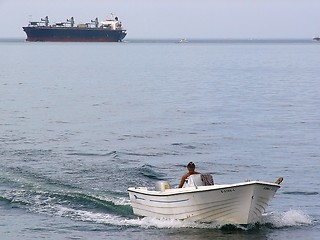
69	34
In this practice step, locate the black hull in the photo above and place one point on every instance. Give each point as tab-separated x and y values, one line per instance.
73	34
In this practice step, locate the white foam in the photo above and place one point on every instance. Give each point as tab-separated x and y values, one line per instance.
287	219
149	222
146	222
117	201
276	219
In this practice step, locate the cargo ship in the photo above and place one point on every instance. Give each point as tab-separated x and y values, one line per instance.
109	30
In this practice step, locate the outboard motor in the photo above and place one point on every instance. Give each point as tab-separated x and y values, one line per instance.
162	186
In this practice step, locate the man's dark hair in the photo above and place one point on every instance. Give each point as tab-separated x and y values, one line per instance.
191	165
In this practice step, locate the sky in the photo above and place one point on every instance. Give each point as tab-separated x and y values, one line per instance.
162	19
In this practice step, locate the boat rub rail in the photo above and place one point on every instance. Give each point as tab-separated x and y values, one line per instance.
178	191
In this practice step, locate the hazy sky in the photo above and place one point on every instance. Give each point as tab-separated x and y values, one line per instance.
175	18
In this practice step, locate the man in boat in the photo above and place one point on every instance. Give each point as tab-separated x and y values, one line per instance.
191	170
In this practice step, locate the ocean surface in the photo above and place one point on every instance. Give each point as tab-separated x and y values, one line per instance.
82	122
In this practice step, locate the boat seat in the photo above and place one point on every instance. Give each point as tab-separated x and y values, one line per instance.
197	180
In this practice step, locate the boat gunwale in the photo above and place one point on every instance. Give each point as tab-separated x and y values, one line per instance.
198	189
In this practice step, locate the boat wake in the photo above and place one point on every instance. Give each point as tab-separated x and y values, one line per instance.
290	218
116	211
44	196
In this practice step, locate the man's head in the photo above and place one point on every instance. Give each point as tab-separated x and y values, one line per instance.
191	166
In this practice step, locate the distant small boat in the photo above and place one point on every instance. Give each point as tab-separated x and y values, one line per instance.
316	39
183	40
239	203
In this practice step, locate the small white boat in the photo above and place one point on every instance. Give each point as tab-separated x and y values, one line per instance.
183	40
240	203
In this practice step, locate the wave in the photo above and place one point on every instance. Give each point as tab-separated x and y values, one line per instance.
300	193
117	206
36	193
151	154
112	210
112	153
44	196
115	154
184	145
289	218
149	172
52	202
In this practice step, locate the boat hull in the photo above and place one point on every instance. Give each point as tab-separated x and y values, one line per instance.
73	34
242	203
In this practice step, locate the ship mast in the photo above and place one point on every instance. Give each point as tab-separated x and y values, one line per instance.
96	22
71	21
46	21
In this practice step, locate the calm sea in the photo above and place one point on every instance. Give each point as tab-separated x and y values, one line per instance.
81	122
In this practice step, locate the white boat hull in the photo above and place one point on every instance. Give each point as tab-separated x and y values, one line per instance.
241	203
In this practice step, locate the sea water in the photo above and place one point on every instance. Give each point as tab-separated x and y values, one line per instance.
82	122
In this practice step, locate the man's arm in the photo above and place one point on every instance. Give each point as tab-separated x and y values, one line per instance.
183	179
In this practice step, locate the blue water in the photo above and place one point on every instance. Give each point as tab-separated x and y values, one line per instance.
81	122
